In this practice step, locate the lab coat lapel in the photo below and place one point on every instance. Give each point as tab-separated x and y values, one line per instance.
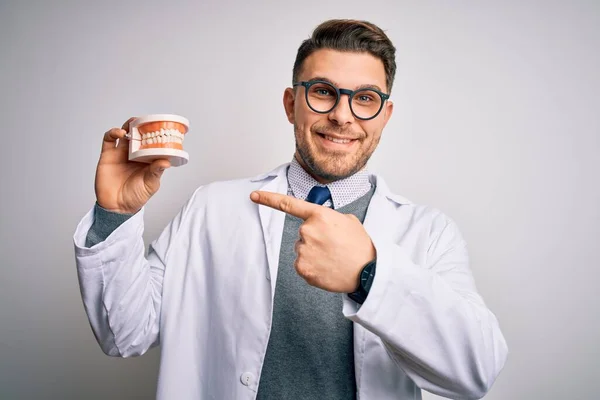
272	221
381	208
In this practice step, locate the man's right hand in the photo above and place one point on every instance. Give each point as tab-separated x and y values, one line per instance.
121	185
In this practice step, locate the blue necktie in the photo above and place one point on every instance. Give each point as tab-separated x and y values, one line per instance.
318	195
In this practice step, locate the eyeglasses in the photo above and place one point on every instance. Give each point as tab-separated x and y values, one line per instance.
322	97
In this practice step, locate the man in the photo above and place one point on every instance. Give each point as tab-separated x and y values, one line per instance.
287	295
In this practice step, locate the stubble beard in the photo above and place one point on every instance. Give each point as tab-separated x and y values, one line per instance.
337	165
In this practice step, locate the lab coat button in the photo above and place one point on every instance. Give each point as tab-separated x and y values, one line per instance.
247	378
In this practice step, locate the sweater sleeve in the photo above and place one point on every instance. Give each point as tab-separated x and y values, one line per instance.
105	222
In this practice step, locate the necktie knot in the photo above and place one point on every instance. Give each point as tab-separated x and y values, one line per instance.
318	195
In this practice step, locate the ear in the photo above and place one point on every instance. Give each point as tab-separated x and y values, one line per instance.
388	109
289	101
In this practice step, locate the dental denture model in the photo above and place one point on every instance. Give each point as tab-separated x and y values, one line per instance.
158	136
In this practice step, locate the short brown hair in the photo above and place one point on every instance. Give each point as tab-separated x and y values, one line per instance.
350	35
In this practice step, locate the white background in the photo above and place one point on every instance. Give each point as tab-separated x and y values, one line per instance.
497	123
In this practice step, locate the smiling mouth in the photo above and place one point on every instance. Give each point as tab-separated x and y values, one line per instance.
336	140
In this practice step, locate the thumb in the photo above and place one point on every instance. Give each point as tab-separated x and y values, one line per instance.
158	167
154	172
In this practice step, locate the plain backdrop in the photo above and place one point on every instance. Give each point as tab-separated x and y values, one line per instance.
497	123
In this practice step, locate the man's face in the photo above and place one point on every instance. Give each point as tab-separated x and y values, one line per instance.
323	158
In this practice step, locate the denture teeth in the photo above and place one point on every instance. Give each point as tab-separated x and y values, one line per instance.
162	136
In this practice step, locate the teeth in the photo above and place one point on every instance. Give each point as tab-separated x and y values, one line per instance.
163	136
341	141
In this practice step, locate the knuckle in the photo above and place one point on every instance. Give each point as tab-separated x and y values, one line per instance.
114	132
285	205
298	266
304	230
320	214
309	276
302	268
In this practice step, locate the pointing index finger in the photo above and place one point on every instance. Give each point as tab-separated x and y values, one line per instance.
287	204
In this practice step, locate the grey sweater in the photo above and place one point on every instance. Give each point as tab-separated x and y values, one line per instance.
310	354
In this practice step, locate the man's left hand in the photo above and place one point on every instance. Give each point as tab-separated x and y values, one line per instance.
332	248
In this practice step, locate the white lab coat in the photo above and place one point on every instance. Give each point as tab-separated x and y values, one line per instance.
205	292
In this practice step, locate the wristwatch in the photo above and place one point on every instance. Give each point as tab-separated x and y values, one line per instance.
365	281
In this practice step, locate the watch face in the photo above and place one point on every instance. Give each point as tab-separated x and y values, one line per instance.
366	278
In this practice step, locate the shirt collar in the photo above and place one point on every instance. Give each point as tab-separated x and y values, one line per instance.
343	191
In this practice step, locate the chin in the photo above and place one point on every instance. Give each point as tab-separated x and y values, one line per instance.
332	168
328	164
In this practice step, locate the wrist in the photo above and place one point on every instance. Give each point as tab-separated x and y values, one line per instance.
116	210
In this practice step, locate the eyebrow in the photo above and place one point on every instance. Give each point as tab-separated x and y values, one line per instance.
364	86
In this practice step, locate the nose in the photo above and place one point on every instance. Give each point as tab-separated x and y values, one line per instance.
342	114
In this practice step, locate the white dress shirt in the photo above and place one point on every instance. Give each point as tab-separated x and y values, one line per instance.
343	191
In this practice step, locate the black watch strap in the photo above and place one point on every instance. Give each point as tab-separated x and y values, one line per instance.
365	281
